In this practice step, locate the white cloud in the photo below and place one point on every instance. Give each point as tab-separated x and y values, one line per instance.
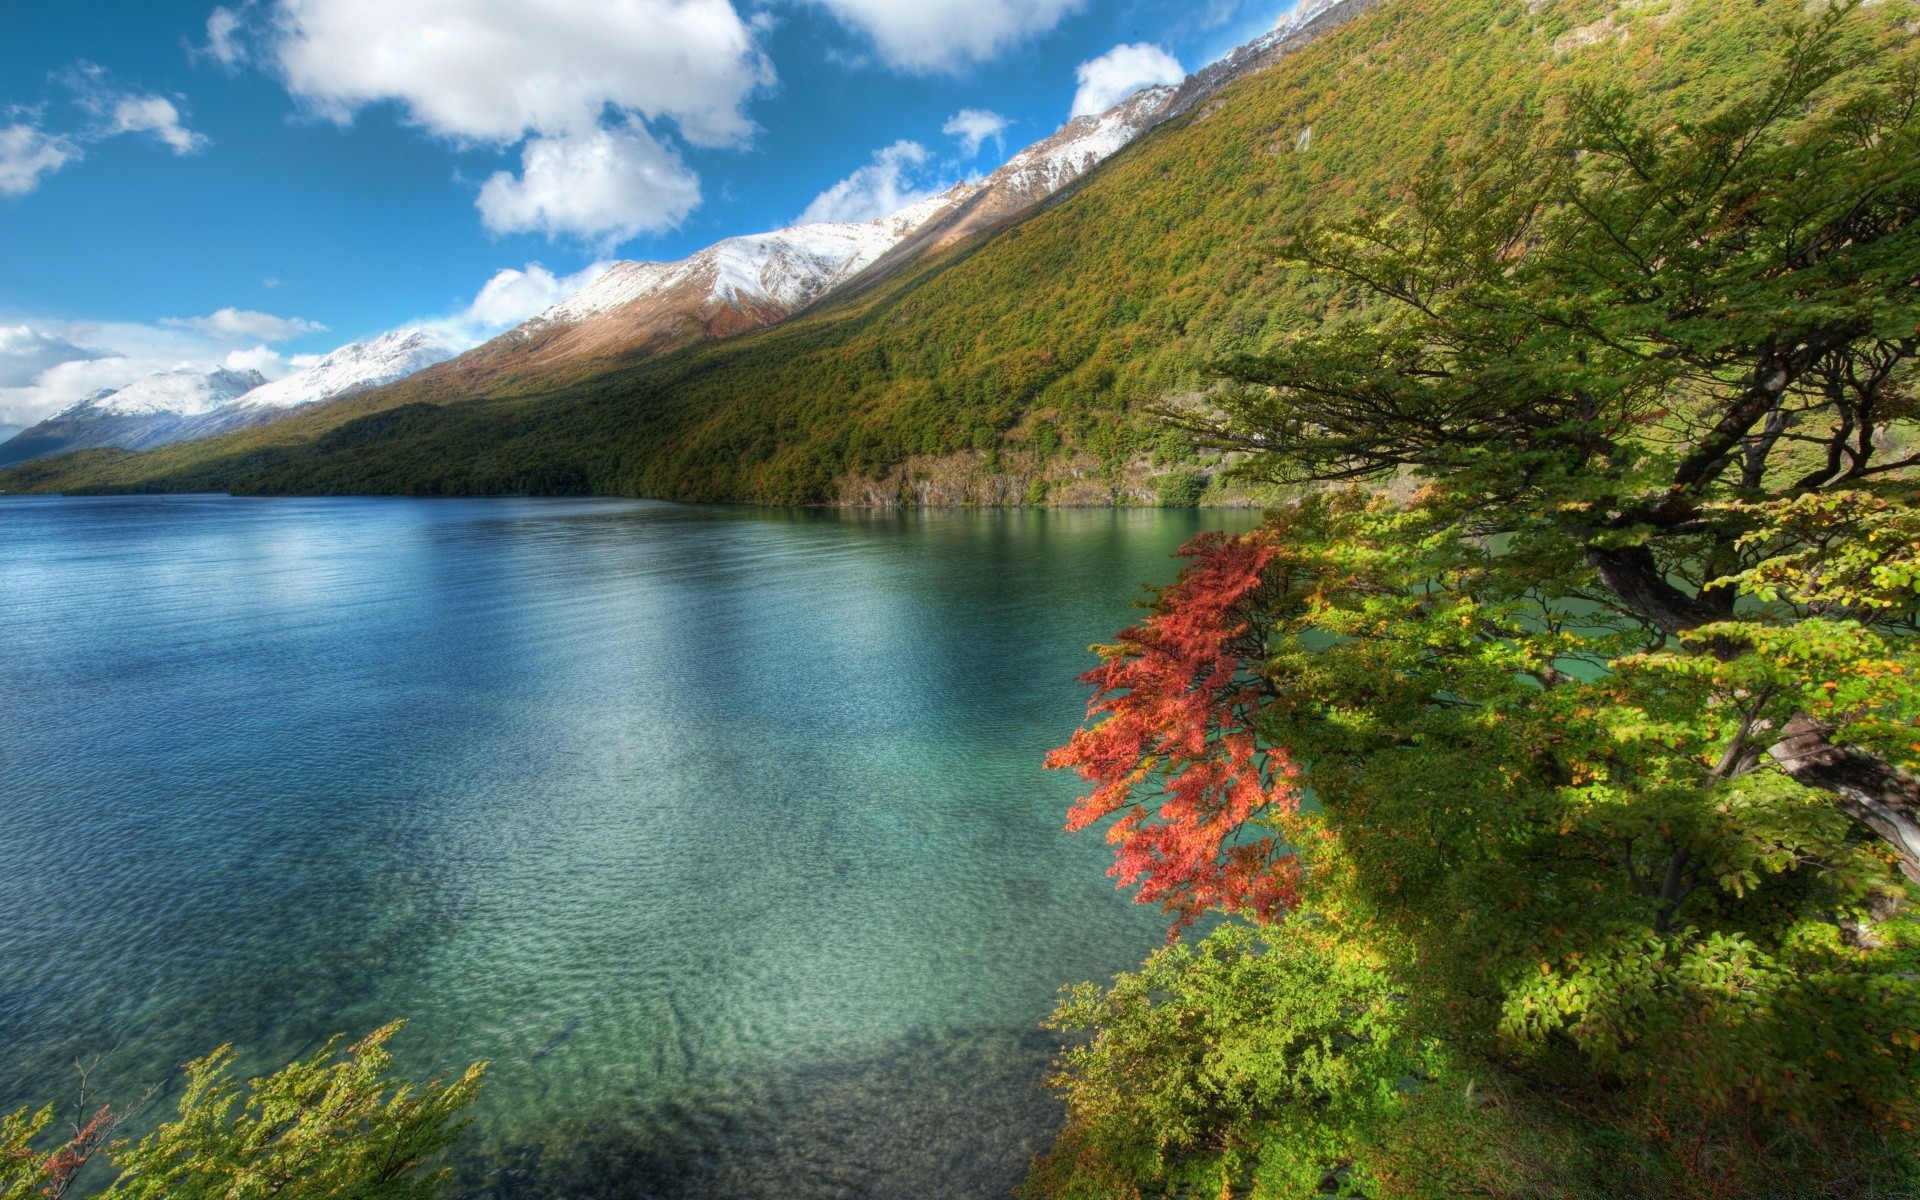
25	352
266	360
893	180
496	72
158	116
973	126
121	111
225	30
946	35
513	295
27	153
47	366
1119	73
604	186
245	325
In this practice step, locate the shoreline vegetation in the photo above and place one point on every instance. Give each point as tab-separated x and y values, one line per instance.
1591	627
1611	727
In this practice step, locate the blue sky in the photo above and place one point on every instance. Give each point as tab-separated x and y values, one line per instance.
246	183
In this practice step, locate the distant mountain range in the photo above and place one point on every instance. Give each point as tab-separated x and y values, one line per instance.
1002	343
180	405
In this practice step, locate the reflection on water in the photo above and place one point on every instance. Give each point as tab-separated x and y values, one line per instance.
722	833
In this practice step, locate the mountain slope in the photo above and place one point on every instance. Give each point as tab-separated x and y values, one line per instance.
353	368
638	309
1015	364
641	309
148	412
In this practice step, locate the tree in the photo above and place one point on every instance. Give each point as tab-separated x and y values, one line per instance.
1607	709
333	1127
1646	339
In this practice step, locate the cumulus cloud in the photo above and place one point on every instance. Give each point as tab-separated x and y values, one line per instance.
158	116
973	126
1119	73
605	186
25	352
894	179
47	366
493	70
267	361
27	153
496	72
946	35
514	294
245	325
122	111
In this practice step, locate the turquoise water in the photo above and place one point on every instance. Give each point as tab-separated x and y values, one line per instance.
722	834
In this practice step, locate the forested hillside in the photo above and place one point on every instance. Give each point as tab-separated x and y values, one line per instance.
1022	366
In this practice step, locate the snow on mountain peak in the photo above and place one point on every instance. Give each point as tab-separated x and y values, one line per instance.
185	391
1082	144
354	368
788	267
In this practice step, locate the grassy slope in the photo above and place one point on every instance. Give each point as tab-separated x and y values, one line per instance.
1059	330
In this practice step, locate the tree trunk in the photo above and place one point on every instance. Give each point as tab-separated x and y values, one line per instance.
1875	793
1871	791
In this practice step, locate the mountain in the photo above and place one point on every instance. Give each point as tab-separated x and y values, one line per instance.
149	412
180	405
353	368
1028	178
1019	362
641	308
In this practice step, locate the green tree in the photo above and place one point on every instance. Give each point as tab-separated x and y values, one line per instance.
336	1126
1602	739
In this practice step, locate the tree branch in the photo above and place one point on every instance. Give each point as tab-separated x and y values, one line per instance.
1873	792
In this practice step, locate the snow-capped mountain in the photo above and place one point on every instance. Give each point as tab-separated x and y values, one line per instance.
179	393
1080	145
1032	176
742	283
148	412
178	405
789	268
637	308
353	368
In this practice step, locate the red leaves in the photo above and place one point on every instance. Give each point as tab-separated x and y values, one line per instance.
1177	709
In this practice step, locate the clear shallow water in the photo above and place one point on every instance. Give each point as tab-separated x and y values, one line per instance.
721	833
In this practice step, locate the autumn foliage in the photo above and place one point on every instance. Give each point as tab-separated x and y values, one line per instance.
1175	754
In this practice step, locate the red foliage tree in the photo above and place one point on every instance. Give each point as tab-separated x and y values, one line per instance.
1176	708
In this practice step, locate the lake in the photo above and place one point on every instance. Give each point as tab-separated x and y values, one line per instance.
722	833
